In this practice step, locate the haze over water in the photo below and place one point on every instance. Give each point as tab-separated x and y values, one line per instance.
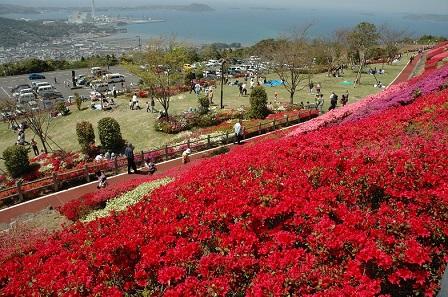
249	25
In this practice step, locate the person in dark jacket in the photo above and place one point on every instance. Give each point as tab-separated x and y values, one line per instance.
129	153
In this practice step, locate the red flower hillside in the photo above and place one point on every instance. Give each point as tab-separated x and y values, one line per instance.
358	209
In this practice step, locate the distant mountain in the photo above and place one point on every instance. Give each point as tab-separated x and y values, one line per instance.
427	17
193	7
11	8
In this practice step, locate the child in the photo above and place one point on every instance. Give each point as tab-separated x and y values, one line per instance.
186	156
149	164
102	179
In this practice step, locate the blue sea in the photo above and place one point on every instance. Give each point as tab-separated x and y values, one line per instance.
249	25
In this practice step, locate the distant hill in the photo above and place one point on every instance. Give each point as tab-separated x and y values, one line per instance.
11	8
193	7
16	32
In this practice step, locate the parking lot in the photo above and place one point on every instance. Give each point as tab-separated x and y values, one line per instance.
61	76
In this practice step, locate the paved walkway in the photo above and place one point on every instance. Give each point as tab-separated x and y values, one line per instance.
54	200
407	71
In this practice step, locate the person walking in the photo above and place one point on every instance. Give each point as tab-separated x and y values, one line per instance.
333	101
238	129
318	88
311	86
153	104
244	86
134	100
147	106
344	99
129	153
34	146
210	95
197	89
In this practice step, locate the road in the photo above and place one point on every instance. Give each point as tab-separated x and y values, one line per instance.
9	82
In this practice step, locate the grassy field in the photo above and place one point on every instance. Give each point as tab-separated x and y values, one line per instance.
137	125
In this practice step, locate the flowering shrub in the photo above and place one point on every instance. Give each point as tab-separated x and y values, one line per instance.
179	123
124	201
78	208
357	209
396	95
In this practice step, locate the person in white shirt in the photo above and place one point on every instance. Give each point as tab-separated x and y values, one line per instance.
238	128
134	100
244	87
186	156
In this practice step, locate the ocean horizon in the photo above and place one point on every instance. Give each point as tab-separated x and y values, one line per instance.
250	25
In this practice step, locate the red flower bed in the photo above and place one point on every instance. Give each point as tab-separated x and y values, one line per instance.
358	209
75	209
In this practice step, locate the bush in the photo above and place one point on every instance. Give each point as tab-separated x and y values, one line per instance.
16	160
204	104
172	125
86	136
78	101
110	134
258	103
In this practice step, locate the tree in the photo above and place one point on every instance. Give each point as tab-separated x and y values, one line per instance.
16	160
291	58
390	39
86	135
258	103
332	53
164	76
110	134
362	38
37	118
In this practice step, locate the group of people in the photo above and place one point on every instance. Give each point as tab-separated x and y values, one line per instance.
149	164
197	89
21	140
334	100
134	103
150	105
314	87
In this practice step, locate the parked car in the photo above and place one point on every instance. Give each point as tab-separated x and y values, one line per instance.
100	87
81	81
33	76
26	97
52	95
114	78
22	91
38	84
17	88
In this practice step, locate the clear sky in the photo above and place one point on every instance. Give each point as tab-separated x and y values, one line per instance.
377	6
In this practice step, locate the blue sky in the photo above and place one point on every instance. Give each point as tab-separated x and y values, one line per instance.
377	6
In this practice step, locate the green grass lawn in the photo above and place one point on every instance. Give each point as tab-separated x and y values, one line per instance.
137	125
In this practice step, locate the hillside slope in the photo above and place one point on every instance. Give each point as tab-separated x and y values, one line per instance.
358	209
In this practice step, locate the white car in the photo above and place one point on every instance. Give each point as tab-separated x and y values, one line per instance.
114	78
